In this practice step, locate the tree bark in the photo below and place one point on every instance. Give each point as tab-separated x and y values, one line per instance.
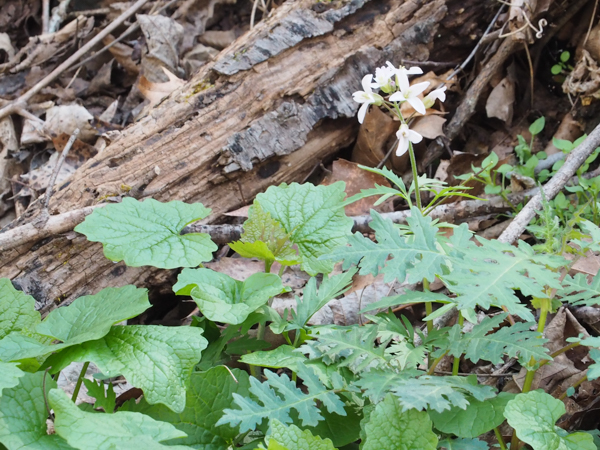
267	110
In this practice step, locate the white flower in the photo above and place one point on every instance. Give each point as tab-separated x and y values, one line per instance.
366	97
437	94
403	71
383	80
410	93
406	135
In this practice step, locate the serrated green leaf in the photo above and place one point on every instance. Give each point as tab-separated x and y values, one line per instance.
209	394
119	431
293	438
390	427
533	415
489	274
407	298
9	375
224	299
265	239
157	359
353	347
419	256
17	310
479	417
313	218
439	393
282	356
148	233
91	317
577	291
515	341
463	444
377	383
594	369
313	300
278	394
23	416
104	399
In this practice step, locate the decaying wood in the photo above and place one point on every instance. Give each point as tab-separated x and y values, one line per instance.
269	107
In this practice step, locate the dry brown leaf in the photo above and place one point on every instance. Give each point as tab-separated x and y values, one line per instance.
569	130
197	57
501	101
218	39
163	37
155	92
9	143
376	134
430	126
240	212
356	180
122	53
66	118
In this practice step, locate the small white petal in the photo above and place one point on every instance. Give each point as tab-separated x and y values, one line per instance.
414	71
403	82
362	112
390	66
397	97
414	137
366	82
402	146
416	89
417	104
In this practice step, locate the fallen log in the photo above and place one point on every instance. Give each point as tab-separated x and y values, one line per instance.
268	109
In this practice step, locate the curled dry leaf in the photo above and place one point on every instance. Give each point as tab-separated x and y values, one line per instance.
569	130
430	126
219	39
123	54
584	79
155	92
66	118
377	133
163	37
501	101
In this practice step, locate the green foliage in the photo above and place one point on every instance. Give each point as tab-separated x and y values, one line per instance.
9	375
313	218
23	416
477	418
17	310
224	299
209	394
104	399
463	444
278	395
515	341
119	431
593	372
293	438
533	415
391	427
577	291
148	233
282	356
157	359
265	239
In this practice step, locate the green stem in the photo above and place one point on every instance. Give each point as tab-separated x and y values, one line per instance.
434	364
413	163
428	306
499	438
80	380
456	363
281	270
575	386
268	265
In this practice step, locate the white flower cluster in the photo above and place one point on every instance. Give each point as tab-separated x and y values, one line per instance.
394	82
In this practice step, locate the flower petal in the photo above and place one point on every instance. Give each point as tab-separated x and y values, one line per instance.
414	71
397	97
366	82
403	82
402	146
414	137
416	103
416	89
362	112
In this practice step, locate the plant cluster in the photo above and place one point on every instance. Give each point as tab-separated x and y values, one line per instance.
328	386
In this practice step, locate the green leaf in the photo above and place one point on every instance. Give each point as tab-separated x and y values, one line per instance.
148	233
390	427
515	341
9	375
563	145
342	430
556	69
278	394
23	415
439	393
91	317
537	126
489	274
353	347
293	438
407	298
577	291
479	417
377	383
463	444
105	400
157	359
119	431
313	300
265	239
417	255
533	415
313	218
17	310
282	356
209	394
594	369
224	299
565	56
